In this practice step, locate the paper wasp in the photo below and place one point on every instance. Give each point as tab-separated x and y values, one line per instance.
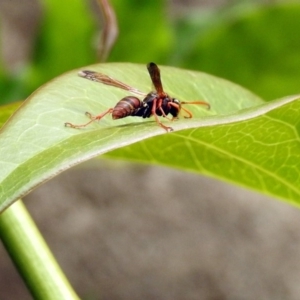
156	103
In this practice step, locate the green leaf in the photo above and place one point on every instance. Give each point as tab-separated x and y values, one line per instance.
258	148
7	110
241	139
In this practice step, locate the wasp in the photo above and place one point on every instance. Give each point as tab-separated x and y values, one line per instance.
156	103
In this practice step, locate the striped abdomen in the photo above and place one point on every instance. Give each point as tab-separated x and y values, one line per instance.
126	107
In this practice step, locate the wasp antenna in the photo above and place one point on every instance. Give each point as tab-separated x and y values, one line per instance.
197	102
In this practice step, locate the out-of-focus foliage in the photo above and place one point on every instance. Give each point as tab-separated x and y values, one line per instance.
64	42
257	46
145	32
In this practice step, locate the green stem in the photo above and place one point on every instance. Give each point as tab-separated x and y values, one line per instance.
32	257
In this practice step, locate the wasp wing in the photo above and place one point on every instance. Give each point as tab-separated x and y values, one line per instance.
105	79
154	73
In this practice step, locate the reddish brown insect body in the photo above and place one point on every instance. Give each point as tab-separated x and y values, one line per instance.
126	107
157	103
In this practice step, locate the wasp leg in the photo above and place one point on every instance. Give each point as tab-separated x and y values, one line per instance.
163	113
93	118
153	111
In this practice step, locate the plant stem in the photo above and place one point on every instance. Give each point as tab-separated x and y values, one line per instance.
31	255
